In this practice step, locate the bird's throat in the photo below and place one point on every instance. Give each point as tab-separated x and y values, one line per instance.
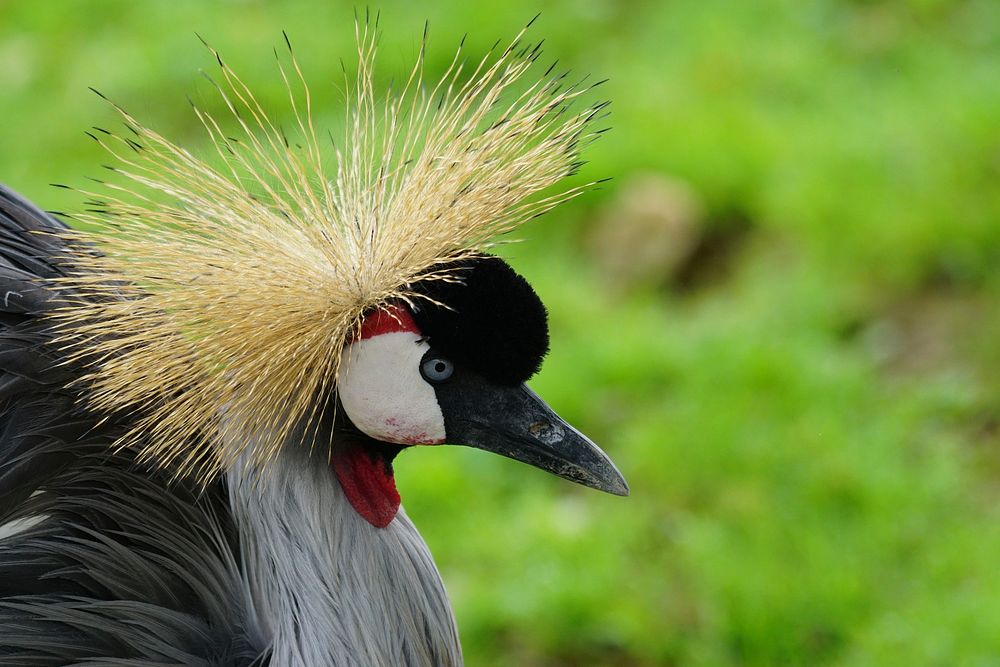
365	474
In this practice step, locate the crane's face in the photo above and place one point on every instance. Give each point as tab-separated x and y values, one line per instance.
433	375
387	381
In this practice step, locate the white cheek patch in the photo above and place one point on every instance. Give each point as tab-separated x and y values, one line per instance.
384	394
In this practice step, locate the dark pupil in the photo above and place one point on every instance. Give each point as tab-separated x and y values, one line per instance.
440	367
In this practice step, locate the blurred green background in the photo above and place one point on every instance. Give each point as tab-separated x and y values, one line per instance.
780	317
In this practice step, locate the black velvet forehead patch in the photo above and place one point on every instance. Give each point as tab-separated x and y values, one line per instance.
495	324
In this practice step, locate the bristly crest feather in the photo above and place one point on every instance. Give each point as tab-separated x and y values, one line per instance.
218	297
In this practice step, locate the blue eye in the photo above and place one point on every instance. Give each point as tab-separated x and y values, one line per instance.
436	370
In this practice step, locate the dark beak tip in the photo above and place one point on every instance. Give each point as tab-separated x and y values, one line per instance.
606	478
617	487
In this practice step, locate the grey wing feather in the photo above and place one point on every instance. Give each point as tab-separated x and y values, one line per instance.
121	567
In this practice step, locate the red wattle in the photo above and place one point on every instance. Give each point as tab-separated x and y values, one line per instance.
368	484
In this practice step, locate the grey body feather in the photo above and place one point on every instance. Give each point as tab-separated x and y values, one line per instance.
107	563
325	586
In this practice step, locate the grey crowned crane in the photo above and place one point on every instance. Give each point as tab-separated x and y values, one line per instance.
201	396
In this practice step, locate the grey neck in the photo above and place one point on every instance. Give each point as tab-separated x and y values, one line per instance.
325	587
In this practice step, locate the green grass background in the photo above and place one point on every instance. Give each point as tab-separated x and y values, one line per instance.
809	420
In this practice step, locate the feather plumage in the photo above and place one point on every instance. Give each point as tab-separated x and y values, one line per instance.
101	542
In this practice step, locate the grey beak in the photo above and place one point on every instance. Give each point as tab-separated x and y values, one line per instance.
516	423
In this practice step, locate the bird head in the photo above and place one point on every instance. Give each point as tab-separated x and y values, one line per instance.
451	368
229	307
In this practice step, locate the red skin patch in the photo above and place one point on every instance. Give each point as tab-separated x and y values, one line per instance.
388	320
368	485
